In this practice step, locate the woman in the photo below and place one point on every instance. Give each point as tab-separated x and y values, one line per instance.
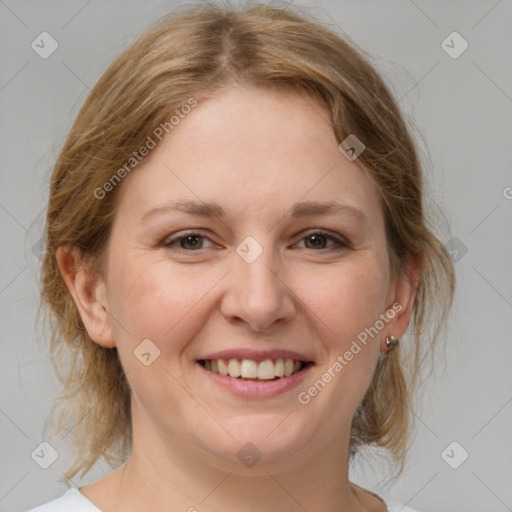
236	244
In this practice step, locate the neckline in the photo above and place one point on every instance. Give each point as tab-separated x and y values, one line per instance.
369	492
84	497
76	490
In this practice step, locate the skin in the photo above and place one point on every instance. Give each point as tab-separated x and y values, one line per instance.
256	153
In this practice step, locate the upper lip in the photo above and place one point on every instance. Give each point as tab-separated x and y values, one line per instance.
256	355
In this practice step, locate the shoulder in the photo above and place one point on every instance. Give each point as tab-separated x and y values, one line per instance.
71	501
394	506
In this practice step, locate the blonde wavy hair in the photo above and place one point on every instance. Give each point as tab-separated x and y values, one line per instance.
197	52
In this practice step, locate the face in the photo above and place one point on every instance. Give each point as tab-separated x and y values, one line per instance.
250	272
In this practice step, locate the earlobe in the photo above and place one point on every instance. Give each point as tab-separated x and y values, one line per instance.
89	294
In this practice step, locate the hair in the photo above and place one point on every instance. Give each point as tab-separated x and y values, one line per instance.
194	53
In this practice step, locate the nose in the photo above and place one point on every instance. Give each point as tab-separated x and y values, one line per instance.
258	294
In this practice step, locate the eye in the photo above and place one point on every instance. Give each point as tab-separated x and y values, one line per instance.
187	242
193	241
320	237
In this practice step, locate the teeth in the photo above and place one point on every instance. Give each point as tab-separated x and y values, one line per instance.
249	369
223	367
279	368
234	368
266	370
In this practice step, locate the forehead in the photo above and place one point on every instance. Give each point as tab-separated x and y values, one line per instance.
252	151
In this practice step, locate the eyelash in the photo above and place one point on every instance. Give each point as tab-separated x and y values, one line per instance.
172	243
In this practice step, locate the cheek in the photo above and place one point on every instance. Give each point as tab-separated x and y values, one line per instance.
347	300
347	305
156	300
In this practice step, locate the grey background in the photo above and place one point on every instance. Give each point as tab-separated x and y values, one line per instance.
462	108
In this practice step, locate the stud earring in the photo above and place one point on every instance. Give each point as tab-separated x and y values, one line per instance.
391	342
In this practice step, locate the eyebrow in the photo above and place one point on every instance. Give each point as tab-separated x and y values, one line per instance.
299	210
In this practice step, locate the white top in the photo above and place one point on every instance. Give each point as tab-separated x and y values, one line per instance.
74	501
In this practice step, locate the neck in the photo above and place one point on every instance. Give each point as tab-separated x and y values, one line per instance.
164	475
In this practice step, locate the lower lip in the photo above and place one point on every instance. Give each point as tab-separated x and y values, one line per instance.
257	389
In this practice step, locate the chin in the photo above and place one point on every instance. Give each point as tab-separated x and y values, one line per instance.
259	442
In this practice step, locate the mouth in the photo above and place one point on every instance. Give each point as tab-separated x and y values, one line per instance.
267	370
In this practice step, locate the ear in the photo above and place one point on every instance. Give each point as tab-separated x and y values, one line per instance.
402	295
89	293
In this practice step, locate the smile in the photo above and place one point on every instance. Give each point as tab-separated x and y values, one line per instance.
249	369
